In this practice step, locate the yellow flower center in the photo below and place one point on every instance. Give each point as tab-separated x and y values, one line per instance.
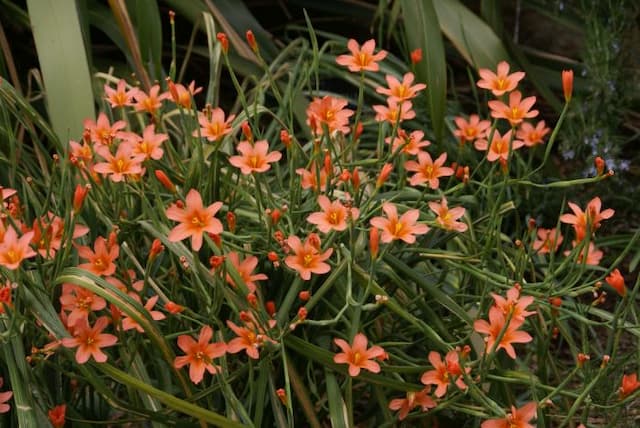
197	221
253	161
333	217
120	164
90	341
515	112
428	170
13	256
502	83
357	358
363	59
398	228
307	259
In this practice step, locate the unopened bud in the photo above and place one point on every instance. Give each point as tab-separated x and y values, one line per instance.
384	174
374	242
304	295
355	179
224	42
231	221
251	40
216	261
582	358
416	56
567	84
79	196
165	181
173	308
282	395
285	137
246	131
156	248
252	300
302	313
270	307
599	164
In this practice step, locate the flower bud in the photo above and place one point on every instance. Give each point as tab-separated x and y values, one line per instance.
173	308
165	181
285	137
270	307
224	42
599	164
355	179
246	131
156	248
231	221
282	395
304	295
79	196
251	40
384	174
374	242
416	56
567	84
302	313
358	131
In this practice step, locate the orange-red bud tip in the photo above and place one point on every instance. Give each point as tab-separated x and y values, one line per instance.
224	42
251	40
567	84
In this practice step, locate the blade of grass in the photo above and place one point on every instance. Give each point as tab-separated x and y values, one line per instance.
126	27
63	61
422	30
471	36
146	18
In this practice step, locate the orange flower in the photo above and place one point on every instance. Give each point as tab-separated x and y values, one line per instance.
501	82
358	356
361	59
530	135
394	111
444	372
4	397
499	148
518	418
331	112
254	157
447	218
101	131
199	355
394	228
513	304
128	323
194	220
494	328
79	302
308	178
248	340
182	95
590	217
411	144
517	110
427	170
616	280
149	102
122	164
592	256
333	216
567	84
307	258
628	385
245	270
14	250
548	240
90	340
101	259
216	127
472	130
57	416
119	97
413	399
401	91
147	146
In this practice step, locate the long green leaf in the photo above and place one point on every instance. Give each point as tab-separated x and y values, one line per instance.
473	38
63	61
422	29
